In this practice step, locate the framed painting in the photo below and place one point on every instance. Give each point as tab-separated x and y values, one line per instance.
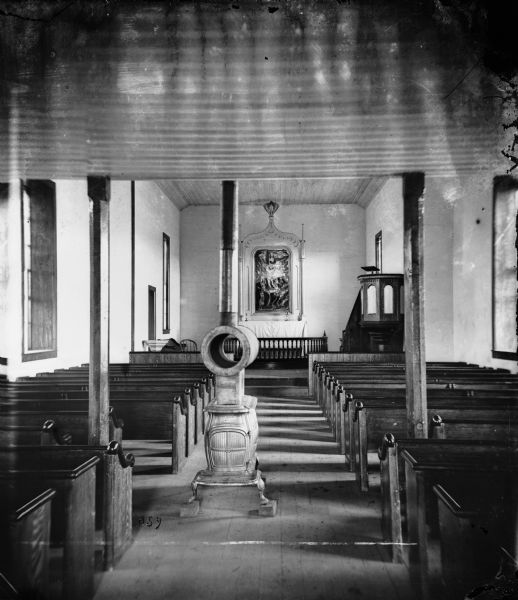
272	280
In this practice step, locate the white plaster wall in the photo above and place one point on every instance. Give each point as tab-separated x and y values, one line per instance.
73	280
120	271
199	268
335	245
4	279
155	214
438	270
11	261
385	213
472	271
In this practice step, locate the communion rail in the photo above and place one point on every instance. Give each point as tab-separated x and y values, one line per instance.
285	348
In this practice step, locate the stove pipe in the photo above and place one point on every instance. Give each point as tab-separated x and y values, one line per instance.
228	263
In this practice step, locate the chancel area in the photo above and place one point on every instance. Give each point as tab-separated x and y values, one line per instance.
258	289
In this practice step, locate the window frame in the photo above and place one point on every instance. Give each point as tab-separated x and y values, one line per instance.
378	256
166	283
51	352
503	183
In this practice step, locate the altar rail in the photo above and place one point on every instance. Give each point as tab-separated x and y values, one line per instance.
285	348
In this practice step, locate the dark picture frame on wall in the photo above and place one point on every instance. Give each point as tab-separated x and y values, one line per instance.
504	268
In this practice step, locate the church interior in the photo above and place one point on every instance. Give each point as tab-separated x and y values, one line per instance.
258	299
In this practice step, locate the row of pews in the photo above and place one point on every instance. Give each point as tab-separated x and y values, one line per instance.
449	502
67	504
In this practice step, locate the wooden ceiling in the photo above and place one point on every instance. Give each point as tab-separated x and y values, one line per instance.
255	89
284	191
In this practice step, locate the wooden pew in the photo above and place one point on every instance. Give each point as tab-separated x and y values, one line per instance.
474	534
395	414
436	398
465	418
142	410
332	395
482	467
159	419
413	467
147	397
24	551
51	427
113	489
369	376
73	508
375	385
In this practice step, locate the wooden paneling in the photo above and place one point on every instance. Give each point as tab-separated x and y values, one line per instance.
220	90
98	383
413	256
284	191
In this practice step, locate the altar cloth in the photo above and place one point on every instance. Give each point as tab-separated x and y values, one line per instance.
276	329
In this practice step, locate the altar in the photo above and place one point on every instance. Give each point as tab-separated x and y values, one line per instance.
277	329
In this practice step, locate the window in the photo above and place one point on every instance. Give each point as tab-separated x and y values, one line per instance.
39	290
151	312
388	300
166	278
378	251
371	300
505	215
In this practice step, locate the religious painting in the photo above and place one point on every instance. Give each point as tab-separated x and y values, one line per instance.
272	280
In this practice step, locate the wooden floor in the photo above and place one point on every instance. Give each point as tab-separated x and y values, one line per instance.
324	543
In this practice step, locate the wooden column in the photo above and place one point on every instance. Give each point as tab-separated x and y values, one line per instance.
413	213
98	383
133	267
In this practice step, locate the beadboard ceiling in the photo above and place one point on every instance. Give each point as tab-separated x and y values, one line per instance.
284	191
255	90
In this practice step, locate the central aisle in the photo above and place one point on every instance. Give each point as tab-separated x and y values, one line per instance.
324	542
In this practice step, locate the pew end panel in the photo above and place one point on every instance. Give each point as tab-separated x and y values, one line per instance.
392	519
469	556
360	446
73	508
179	430
118	503
26	541
191	402
487	467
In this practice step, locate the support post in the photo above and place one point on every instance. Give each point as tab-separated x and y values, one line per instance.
413	213
133	267
98	383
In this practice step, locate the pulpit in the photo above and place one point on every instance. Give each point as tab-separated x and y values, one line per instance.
381	310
